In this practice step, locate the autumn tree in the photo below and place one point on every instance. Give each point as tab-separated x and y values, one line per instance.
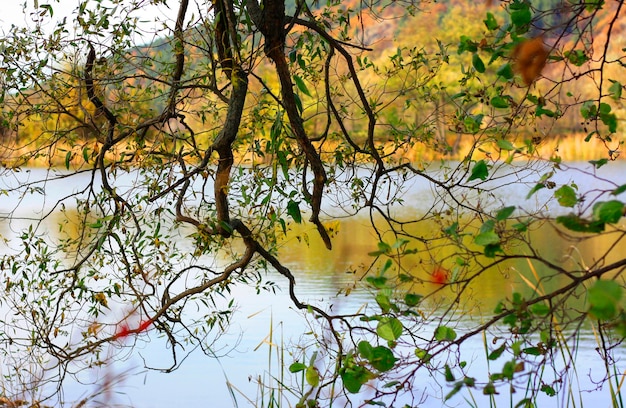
195	143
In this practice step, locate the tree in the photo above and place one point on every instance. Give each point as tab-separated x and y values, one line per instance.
194	153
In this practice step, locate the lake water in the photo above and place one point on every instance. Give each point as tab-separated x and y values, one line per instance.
244	354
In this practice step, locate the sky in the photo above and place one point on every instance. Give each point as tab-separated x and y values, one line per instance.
13	12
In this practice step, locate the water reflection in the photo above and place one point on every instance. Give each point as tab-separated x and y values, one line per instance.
322	273
324	278
355	240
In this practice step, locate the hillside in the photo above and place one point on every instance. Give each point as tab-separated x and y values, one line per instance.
428	36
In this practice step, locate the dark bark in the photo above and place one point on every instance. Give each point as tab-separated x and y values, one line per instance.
225	138
270	20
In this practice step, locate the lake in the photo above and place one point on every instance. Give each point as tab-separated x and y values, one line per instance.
265	320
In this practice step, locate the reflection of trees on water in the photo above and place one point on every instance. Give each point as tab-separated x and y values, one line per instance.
349	263
345	268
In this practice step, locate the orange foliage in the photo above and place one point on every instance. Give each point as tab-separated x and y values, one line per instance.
530	59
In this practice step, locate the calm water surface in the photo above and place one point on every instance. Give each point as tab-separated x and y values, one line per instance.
242	353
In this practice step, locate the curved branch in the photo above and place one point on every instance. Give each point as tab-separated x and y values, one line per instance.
179	52
91	93
271	24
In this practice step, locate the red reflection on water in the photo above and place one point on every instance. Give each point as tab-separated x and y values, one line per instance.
124	330
440	275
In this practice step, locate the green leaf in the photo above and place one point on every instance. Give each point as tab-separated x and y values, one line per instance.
389	328
478	63
472	123
487	238
383	248
500	103
492	249
588	109
444	333
293	209
404	278
540	111
615	90
539	309
399	243
423	355
608	211
284	162
604	299
412	299
533	351
448	373
312	376
354	377
97	224
574	223
487	226
479	171
576	57
467	44
604	108
548	390
458	95
506	71
520	13
452	230
226	226
525	403
386	266
48	8
384	302
521	226
297	367
619	190
391	384
382	359
298	102
457	387
610	120
495	354
533	190
512	367
276	129
490	22
365	349
566	196
301	85
505	145
378	282
593	5
505	213
68	157
598	163
490	389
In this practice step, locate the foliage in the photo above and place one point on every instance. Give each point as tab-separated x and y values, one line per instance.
193	156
